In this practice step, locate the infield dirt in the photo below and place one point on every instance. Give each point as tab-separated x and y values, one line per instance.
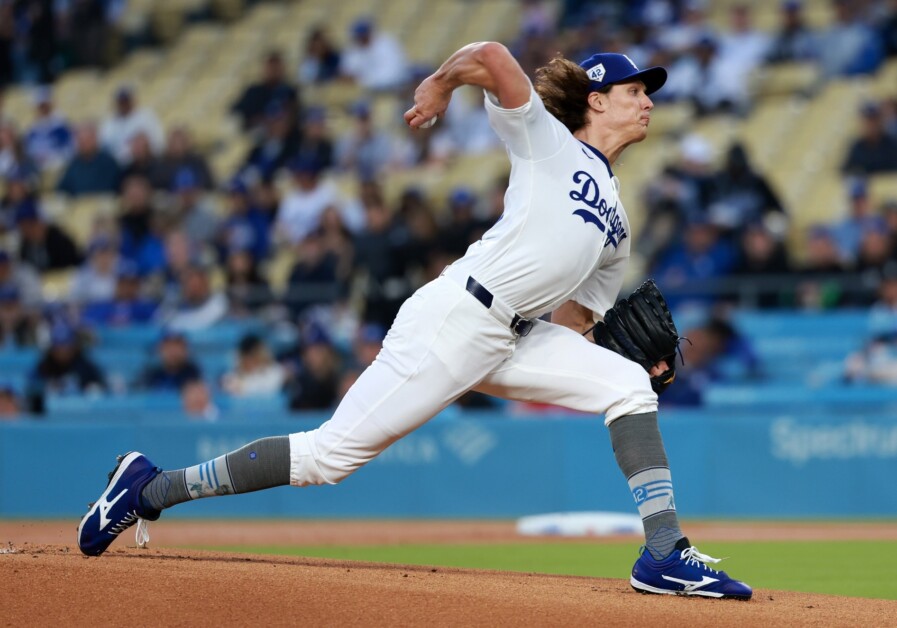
44	584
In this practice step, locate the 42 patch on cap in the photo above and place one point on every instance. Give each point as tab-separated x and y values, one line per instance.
597	72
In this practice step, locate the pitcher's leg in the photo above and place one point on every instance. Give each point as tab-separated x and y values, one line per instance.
381	407
638	448
555	365
560	367
439	348
261	464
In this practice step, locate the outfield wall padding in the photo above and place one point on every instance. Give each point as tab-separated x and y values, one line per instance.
487	465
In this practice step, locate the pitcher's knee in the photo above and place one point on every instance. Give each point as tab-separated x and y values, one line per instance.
309	466
635	395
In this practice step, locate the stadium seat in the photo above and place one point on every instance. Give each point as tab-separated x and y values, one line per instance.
78	217
883	188
785	79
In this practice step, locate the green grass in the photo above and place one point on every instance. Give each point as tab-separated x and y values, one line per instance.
853	568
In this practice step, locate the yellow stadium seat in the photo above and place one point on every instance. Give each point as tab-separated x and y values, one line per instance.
278	269
883	187
80	215
785	78
55	284
671	118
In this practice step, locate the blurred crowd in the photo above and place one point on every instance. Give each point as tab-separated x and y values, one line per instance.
185	250
40	39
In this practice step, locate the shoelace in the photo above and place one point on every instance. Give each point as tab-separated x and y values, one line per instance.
126	522
692	555
142	534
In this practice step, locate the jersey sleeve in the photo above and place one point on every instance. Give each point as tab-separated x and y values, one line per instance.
529	131
599	292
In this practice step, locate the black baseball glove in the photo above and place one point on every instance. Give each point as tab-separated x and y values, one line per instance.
641	328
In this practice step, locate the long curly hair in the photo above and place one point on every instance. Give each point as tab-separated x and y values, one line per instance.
564	87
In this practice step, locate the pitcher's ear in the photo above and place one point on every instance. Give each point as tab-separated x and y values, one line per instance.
598	101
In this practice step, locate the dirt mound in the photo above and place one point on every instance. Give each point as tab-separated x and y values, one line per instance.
52	584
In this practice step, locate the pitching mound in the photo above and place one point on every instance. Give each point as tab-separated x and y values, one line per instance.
56	585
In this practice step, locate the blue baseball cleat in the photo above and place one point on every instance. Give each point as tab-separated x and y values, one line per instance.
120	506
685	572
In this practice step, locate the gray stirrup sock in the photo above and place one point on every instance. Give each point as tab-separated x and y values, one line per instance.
641	457
264	463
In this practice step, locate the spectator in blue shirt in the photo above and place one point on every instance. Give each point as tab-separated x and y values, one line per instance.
20	187
19	327
273	87
64	369
794	41
12	151
874	151
716	353
850	46
50	141
245	228
127	306
180	153
848	233
92	170
42	244
322	59
141	241
702	254
278	141
174	366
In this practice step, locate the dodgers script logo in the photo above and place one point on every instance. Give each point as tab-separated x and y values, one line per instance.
607	220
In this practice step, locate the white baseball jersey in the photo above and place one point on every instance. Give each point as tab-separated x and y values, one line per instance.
564	234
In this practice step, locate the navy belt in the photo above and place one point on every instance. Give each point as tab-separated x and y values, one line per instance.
519	325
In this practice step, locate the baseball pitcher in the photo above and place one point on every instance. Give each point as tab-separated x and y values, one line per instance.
560	247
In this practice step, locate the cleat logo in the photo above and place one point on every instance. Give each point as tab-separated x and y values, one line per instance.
106	505
691	585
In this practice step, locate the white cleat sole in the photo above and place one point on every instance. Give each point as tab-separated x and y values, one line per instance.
644	588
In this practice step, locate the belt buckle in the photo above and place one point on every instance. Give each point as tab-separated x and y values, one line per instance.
521	326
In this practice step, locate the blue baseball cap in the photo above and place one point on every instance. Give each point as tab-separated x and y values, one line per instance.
236	186
361	109
858	188
461	196
100	243
305	164
362	26
315	334
27	210
168	334
371	332
609	68
185	179
315	113
127	269
9	292
62	335
124	92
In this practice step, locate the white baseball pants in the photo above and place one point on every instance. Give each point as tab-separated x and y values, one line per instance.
443	343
